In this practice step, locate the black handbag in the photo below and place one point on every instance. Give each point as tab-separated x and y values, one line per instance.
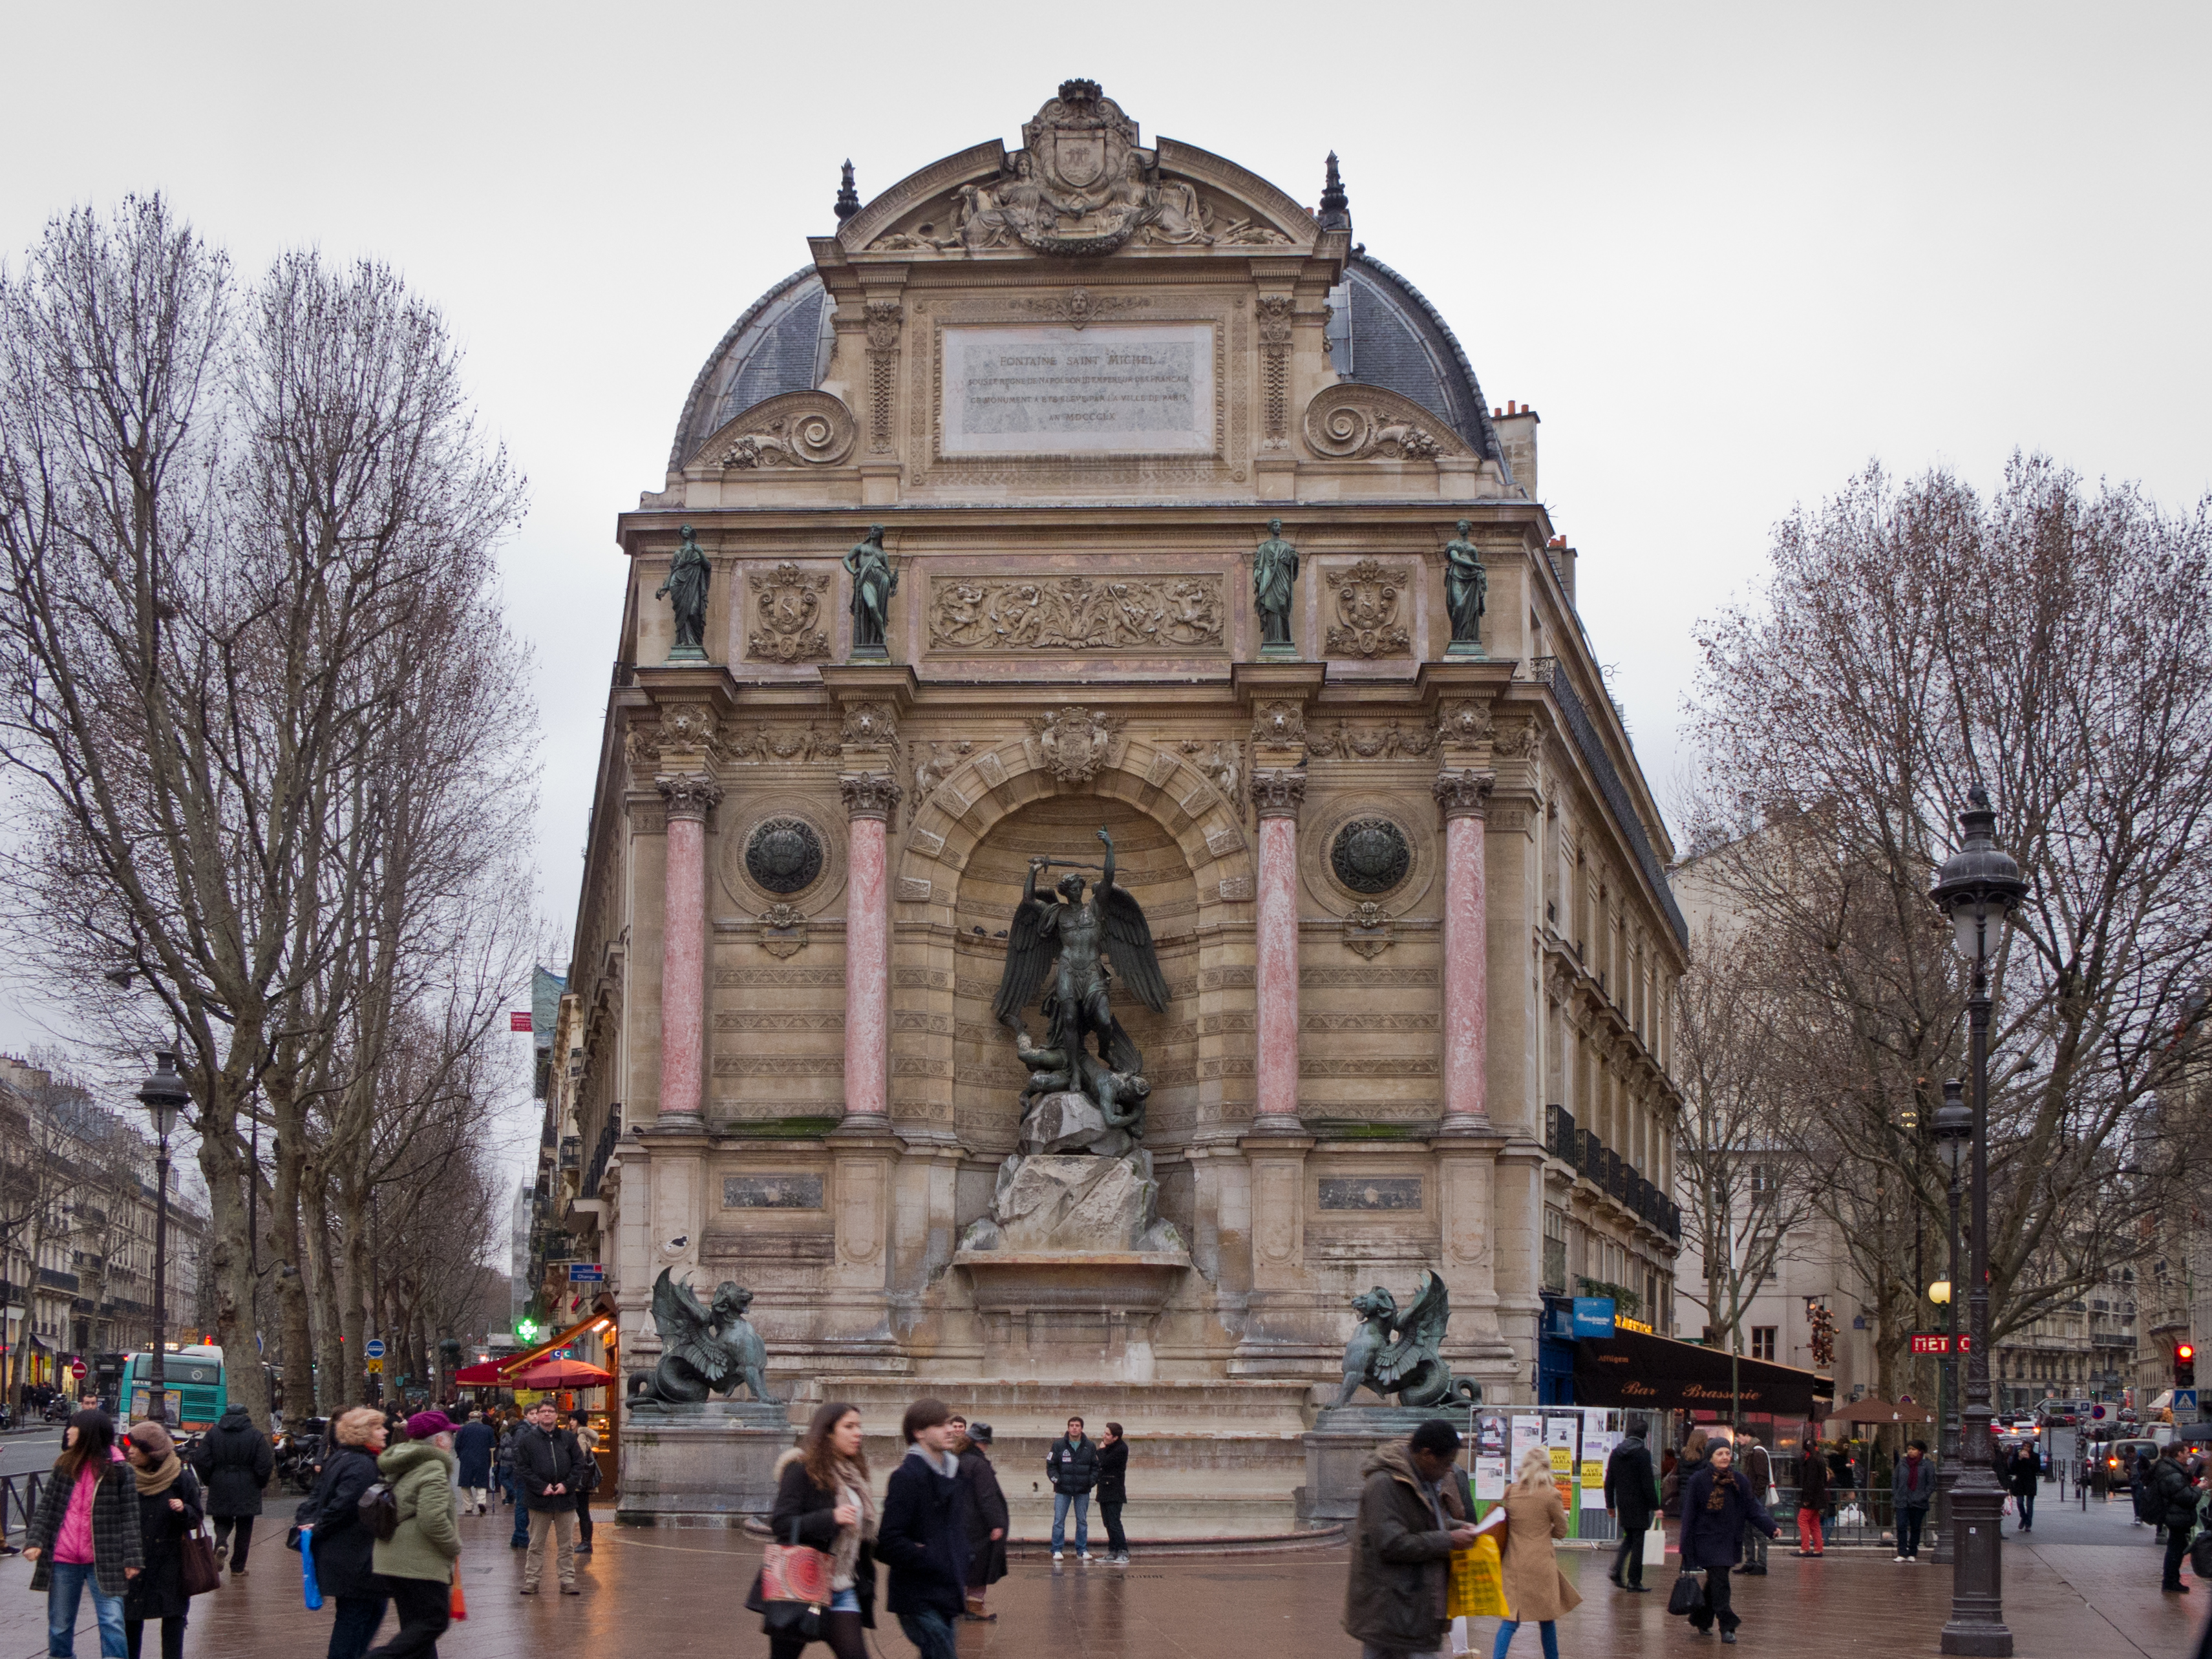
789	1618
1687	1595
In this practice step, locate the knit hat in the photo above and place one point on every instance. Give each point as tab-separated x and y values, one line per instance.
423	1425
980	1433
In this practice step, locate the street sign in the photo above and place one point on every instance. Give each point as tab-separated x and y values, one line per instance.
585	1272
1594	1317
1938	1342
2097	1412
77	1370
373	1347
518	1022
376	1368
2184	1405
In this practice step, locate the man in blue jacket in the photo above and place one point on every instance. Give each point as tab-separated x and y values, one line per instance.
923	1535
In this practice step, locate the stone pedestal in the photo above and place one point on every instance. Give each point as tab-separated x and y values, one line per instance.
1339	1442
708	1465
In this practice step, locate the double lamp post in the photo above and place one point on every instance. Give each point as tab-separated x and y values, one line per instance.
164	1095
1978	889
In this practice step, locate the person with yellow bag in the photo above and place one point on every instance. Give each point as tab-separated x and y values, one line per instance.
1534	1587
1412	1518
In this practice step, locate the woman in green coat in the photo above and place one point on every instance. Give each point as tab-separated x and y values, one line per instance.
416	1566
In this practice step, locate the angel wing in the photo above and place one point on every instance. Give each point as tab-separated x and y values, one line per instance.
1129	948
684	1325
1121	1054
1030	949
1421	1331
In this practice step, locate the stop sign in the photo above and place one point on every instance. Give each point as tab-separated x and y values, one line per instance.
76	1370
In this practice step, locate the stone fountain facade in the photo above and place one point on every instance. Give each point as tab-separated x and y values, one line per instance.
1408	900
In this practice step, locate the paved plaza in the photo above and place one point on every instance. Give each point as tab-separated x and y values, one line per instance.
2082	1587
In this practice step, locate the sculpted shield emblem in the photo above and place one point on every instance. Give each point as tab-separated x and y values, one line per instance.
1079	156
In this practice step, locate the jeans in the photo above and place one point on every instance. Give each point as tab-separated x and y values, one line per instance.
2025	1503
1717	1604
2177	1548
1110	1511
173	1637
425	1609
1628	1559
244	1523
521	1502
355	1626
1060	1500
560	1525
1808	1530
68	1580
1910	1520
1548	1630
930	1632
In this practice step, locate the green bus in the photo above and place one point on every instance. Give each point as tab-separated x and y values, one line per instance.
193	1383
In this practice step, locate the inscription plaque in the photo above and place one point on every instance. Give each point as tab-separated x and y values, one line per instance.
1137	389
776	1191
1372	1193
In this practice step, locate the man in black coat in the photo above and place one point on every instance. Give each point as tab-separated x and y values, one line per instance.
1071	1464
1631	1492
2173	1504
550	1464
923	1535
1114	1493
234	1461
2021	1478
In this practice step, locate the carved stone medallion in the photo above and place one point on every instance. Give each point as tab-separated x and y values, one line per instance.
1367	597
867	723
788	615
783	855
975	614
1465	725
1370	856
1072	741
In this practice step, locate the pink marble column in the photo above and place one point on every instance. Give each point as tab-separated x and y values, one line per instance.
1465	797
684	945
870	798
1279	795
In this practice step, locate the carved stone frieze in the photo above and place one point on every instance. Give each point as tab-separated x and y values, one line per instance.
869	794
1072	743
1079	307
1465	725
1338	740
784	743
1367	597
1278	792
973	615
1352	422
788	615
1223	766
782	930
1279	724
1461	793
691	796
797	428
1369	930
1274	317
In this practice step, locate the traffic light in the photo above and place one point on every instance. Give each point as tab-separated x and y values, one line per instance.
2184	1365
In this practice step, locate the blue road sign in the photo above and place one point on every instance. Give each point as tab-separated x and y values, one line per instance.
585	1272
374	1347
1593	1315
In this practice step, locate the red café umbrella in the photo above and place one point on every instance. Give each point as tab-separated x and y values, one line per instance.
558	1374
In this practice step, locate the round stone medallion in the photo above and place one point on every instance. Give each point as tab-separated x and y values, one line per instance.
783	854
1370	856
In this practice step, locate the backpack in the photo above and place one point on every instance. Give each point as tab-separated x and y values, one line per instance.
380	1511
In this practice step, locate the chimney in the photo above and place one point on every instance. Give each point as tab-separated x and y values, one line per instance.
1517	436
1562	564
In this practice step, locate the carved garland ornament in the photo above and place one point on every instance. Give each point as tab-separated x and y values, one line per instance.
797	428
1275	350
1074	613
1334	741
788	615
1079	307
1356	422
1367	597
883	316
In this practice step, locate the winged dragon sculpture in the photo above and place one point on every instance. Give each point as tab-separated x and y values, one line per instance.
1398	1353
705	1351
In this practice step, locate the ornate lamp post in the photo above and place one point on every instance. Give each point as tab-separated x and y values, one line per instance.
164	1095
1979	888
1954	1130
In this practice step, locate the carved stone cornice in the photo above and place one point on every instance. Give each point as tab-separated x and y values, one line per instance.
869	794
1278	792
692	795
1464	794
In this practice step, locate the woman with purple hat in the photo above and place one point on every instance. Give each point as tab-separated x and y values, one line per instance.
416	1563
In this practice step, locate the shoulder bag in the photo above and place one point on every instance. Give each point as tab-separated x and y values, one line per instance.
792	1591
202	1577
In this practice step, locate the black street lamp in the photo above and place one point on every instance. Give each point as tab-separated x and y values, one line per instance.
1979	888
164	1095
1954	1132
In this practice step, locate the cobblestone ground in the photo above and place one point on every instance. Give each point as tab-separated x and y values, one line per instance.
2081	1586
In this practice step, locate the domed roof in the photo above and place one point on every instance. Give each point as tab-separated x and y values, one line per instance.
782	343
1383	332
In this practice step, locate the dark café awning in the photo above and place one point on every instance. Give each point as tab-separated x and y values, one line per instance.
1658	1374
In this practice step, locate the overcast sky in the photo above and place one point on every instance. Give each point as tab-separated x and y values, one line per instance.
1730	253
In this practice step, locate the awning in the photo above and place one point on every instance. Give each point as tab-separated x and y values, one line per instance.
495	1373
1656	1373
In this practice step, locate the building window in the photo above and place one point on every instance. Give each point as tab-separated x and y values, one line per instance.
1555	1251
1762	1341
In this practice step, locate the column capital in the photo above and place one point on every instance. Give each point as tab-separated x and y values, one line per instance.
1280	792
692	795
869	794
1464	794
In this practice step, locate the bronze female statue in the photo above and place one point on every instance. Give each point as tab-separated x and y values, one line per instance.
1467	589
1274	574
685	590
874	581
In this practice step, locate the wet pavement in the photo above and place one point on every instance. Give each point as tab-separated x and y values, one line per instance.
2080	1585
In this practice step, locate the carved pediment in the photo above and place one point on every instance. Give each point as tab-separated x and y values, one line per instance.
794	429
1350	422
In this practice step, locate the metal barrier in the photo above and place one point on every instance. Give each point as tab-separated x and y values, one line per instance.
1858	1514
19	1503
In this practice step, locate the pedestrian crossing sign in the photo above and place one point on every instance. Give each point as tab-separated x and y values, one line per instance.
2184	1405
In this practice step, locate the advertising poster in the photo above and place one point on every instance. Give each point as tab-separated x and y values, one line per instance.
1490	1445
1596	1450
1527	1432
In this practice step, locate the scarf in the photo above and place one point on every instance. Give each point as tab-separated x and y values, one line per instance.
845	1554
1723	1483
159	1479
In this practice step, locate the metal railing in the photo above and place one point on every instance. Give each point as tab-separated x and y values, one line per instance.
19	1501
